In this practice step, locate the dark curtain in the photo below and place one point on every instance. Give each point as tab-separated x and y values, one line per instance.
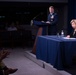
71	13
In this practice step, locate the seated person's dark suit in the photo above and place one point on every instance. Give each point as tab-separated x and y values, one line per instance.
73	34
52	28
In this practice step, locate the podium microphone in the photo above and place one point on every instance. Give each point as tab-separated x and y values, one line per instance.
36	17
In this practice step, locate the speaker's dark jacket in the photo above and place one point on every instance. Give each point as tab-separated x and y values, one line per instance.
53	19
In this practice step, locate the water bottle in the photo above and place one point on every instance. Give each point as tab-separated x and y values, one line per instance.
62	33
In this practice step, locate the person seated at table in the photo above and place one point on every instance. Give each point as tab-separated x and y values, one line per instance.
73	33
12	27
4	70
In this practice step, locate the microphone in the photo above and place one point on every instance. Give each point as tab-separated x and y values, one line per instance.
36	17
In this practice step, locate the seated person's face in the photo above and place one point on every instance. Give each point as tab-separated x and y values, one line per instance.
73	25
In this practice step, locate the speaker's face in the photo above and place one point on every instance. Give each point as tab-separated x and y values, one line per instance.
51	10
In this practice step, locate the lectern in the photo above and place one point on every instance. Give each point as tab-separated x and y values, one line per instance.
42	30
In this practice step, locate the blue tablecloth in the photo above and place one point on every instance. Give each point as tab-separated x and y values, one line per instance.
56	50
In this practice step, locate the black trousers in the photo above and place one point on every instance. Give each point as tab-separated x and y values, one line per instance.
52	30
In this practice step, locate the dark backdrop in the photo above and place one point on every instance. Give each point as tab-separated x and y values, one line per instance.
25	11
71	13
64	1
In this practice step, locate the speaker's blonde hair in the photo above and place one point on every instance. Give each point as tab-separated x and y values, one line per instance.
73	20
51	7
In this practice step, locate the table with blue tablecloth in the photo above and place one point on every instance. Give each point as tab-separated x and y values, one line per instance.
56	50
